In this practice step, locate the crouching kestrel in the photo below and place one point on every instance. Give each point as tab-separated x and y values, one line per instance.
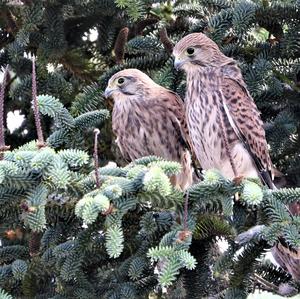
223	121
149	119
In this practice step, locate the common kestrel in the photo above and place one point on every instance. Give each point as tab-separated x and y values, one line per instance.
223	121
149	119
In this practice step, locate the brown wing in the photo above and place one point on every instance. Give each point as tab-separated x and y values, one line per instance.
246	121
178	109
124	152
118	127
177	106
150	125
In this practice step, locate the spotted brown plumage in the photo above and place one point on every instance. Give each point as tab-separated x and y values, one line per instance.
224	123
148	119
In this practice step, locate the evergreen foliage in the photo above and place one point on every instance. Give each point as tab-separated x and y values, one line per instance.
61	235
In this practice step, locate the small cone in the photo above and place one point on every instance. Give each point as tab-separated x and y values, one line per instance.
34	243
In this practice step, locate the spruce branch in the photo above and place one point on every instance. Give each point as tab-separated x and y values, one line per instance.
78	66
120	43
10	21
265	285
34	243
185	217
141	25
41	142
96	160
4	295
3	147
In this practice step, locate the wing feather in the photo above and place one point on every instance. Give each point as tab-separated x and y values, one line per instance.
245	120
178	108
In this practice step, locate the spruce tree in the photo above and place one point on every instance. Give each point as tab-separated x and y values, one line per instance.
74	226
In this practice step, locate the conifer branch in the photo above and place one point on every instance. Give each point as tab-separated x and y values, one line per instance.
185	217
41	142
11	22
3	147
120	43
266	285
71	226
96	160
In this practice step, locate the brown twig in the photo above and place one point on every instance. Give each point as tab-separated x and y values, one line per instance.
41	142
268	286
185	215
96	161
3	147
120	43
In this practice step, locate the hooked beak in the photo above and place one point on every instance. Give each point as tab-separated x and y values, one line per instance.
178	63
108	92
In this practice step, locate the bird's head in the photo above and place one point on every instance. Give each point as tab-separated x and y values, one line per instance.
197	50
126	83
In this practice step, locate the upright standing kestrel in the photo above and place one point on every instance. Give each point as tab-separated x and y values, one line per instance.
223	121
148	120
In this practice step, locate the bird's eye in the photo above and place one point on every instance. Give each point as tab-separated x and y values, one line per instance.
190	51
121	81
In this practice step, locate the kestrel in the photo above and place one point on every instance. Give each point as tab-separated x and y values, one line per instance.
149	119
223	121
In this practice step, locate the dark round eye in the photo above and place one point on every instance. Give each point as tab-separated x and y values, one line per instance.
121	81
190	51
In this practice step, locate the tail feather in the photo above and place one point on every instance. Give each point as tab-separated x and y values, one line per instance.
184	179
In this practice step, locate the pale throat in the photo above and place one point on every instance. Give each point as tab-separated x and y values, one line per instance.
123	103
203	81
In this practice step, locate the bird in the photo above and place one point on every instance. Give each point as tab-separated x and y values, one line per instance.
224	123
149	119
